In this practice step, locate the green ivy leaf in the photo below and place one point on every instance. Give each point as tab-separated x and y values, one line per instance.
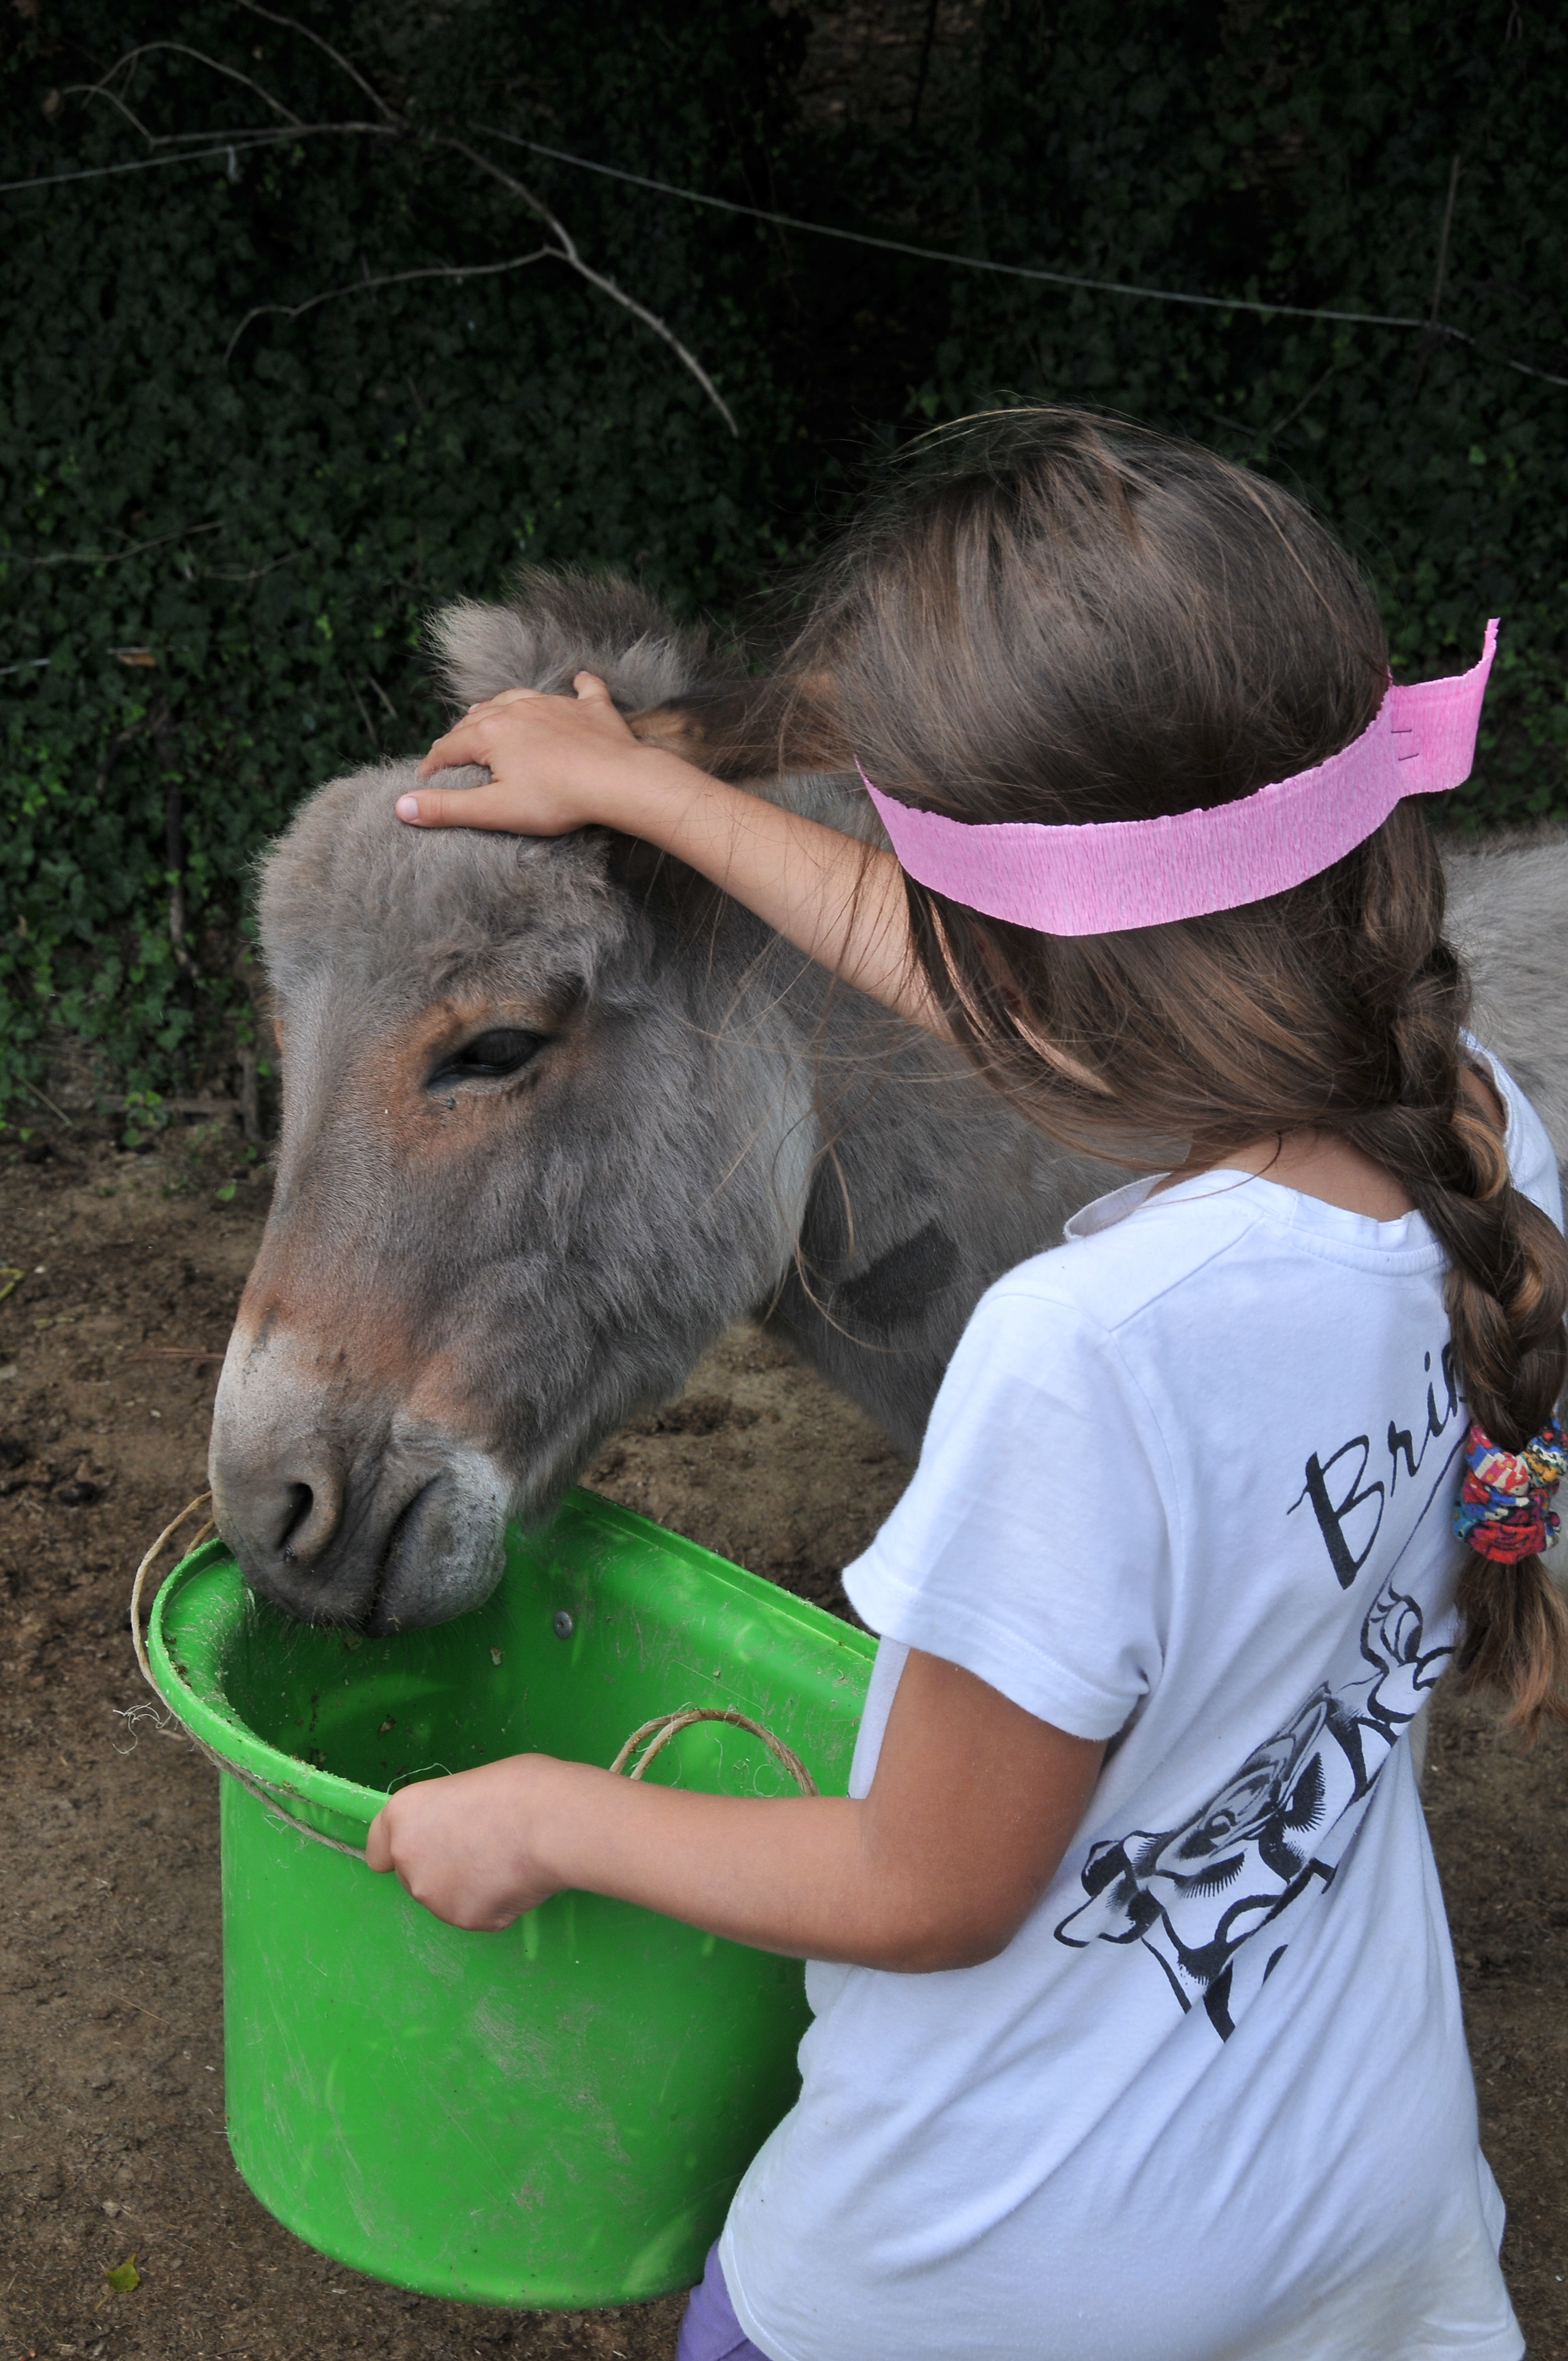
274	523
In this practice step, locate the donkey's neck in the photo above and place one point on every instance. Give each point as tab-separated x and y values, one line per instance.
903	1186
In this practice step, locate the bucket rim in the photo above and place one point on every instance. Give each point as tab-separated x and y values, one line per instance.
322	1800
288	1781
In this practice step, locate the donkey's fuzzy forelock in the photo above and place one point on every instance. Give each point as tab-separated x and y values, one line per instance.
349	884
350	889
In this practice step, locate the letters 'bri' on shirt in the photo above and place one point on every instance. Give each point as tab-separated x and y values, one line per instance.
1187	1488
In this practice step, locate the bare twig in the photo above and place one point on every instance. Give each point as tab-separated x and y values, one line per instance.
924	64
1523	368
245	134
391	279
370	731
182	49
33	1091
247	574
237	146
651	320
261	132
1255	306
96	90
1441	271
1434	327
569	254
1292	415
114	557
335	55
564	249
141	2008
263	135
391	126
227	145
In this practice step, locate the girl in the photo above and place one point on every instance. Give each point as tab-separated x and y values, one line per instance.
1136	2031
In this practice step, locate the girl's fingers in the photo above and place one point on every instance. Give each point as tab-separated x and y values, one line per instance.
458	746
468	741
532	762
489	807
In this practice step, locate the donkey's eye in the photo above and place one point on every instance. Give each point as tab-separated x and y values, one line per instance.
488	1056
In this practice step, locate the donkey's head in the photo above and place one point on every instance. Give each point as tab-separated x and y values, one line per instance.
540	1147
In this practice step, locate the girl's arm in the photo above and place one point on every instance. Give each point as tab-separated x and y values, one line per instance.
559	762
973	1805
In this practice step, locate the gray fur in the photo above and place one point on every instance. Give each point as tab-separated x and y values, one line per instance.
462	1292
1509	918
563	623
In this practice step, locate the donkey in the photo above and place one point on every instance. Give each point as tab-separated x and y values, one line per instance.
557	1114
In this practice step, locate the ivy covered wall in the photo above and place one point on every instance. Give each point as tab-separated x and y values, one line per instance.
226	505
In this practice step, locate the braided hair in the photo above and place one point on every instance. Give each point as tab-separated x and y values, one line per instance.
1506	1286
1053	618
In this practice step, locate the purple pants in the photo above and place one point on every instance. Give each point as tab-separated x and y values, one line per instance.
710	2331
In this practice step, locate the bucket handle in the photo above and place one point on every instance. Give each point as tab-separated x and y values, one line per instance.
657	1733
665	1726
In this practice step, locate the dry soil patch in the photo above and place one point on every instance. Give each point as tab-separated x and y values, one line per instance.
111	2123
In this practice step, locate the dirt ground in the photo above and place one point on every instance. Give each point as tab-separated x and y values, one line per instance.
110	2102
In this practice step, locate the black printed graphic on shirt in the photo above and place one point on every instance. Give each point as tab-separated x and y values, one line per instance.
1349	1505
1215	1901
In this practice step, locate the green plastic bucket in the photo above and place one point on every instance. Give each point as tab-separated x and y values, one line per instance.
557	2116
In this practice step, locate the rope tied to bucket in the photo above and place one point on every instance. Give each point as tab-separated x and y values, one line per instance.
653	1735
665	1726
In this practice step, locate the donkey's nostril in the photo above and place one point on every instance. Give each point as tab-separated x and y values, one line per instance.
275	1518
301	1502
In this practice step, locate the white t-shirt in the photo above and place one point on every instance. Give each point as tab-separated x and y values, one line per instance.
1187	1486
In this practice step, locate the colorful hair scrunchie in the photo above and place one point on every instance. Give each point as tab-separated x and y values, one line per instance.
1505	1504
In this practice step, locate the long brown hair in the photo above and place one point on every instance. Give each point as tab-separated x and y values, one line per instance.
1055	617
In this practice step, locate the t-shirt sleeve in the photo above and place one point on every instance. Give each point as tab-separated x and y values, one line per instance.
1035	1544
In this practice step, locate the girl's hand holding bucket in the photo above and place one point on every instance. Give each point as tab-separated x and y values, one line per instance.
463	1845
973	1804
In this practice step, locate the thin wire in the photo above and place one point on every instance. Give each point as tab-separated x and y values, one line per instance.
1010	269
151	163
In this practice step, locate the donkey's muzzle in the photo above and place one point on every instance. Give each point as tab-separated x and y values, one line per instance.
339	1513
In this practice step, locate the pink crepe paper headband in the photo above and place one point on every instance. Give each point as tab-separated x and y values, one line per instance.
1115	875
